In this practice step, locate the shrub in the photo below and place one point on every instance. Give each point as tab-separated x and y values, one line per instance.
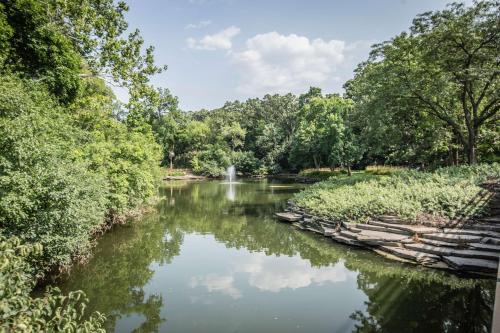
212	161
46	196
246	162
54	312
61	172
448	193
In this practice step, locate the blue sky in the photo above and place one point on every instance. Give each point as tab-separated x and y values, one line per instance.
219	50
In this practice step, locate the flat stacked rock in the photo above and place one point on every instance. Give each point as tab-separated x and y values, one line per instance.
472	247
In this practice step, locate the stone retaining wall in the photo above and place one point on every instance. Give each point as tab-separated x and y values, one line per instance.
473	247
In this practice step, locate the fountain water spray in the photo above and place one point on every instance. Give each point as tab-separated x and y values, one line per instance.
230	174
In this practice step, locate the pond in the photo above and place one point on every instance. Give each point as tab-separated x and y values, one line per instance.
213	259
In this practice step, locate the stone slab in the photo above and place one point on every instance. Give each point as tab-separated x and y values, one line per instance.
438	243
471	232
441	251
485	247
412	229
391	219
453	238
496	308
379	228
491	219
329	231
485	226
471	264
348	234
410	254
391	256
344	240
490	240
289	217
379	235
352	227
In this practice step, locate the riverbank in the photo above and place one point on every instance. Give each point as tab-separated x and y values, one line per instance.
469	242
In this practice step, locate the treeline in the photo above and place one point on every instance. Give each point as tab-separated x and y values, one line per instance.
73	160
428	97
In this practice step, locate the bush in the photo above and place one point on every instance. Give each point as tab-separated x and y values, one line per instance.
447	193
246	162
46	195
61	172
129	160
54	312
212	161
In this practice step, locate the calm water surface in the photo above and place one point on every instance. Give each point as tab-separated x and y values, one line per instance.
213	259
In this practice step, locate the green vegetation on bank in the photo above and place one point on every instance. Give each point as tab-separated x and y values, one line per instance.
447	193
20	312
73	159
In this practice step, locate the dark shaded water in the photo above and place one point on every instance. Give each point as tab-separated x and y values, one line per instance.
213	259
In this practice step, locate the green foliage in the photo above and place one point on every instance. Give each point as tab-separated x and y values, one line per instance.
128	159
70	162
322	174
446	193
323	133
246	163
61	173
46	194
212	161
53	312
435	89
262	128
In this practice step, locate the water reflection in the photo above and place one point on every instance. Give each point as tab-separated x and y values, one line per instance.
207	255
231	191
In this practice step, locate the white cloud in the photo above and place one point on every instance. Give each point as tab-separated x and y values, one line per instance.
199	25
270	273
275	63
273	274
219	40
217	283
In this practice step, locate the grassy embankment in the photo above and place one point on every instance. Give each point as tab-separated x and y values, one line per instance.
445	194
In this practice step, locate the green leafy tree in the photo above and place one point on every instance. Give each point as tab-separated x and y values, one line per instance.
323	134
446	68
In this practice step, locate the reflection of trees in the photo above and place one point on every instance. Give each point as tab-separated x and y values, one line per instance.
115	277
398	306
399	295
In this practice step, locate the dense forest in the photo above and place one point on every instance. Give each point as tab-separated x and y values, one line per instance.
74	160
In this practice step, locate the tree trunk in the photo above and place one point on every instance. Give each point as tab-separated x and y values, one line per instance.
349	173
471	148
316	162
171	163
455	156
454	150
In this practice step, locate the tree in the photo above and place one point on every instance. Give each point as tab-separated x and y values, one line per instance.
347	148
234	135
322	133
59	42
448	66
392	129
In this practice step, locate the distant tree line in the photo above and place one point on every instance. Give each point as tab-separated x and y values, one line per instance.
428	97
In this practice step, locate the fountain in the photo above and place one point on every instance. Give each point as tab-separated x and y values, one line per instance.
230	180
230	174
